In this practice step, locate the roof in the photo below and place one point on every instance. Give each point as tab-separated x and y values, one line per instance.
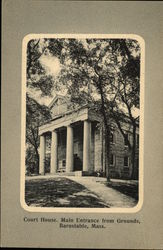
65	98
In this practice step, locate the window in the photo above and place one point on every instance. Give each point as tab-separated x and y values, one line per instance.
64	163
112	160
126	139
112	137
126	161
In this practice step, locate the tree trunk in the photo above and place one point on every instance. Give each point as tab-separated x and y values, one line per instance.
107	150
107	130
133	152
37	162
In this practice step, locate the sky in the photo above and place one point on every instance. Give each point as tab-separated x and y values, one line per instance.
52	66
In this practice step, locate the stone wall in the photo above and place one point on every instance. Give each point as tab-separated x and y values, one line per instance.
120	150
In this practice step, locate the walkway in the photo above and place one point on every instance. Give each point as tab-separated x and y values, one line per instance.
111	196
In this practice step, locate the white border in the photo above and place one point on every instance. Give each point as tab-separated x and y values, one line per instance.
135	209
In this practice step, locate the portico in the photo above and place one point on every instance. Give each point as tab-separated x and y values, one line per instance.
71	135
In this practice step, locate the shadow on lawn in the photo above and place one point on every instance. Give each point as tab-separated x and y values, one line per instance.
59	192
130	189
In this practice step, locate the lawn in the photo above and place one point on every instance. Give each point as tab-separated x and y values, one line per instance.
60	192
129	188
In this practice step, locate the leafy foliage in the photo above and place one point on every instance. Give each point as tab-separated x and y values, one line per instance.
36	115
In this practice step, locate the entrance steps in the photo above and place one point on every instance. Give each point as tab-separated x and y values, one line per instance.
74	173
63	174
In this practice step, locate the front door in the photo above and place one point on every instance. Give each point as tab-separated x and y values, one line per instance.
77	163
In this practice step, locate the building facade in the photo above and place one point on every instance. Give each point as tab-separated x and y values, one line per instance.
77	143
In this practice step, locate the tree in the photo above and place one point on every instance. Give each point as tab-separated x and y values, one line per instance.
36	115
127	93
36	76
81	75
107	70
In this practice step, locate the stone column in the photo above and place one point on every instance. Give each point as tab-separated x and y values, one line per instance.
54	153
69	150
42	155
86	146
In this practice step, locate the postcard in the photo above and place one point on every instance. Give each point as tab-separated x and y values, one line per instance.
81	125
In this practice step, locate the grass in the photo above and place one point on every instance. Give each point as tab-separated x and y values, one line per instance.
59	192
130	189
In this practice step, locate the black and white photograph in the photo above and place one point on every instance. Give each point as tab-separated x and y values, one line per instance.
82	122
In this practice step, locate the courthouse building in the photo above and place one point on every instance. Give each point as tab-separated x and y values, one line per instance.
78	143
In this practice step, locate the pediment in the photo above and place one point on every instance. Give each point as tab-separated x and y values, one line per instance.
58	100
